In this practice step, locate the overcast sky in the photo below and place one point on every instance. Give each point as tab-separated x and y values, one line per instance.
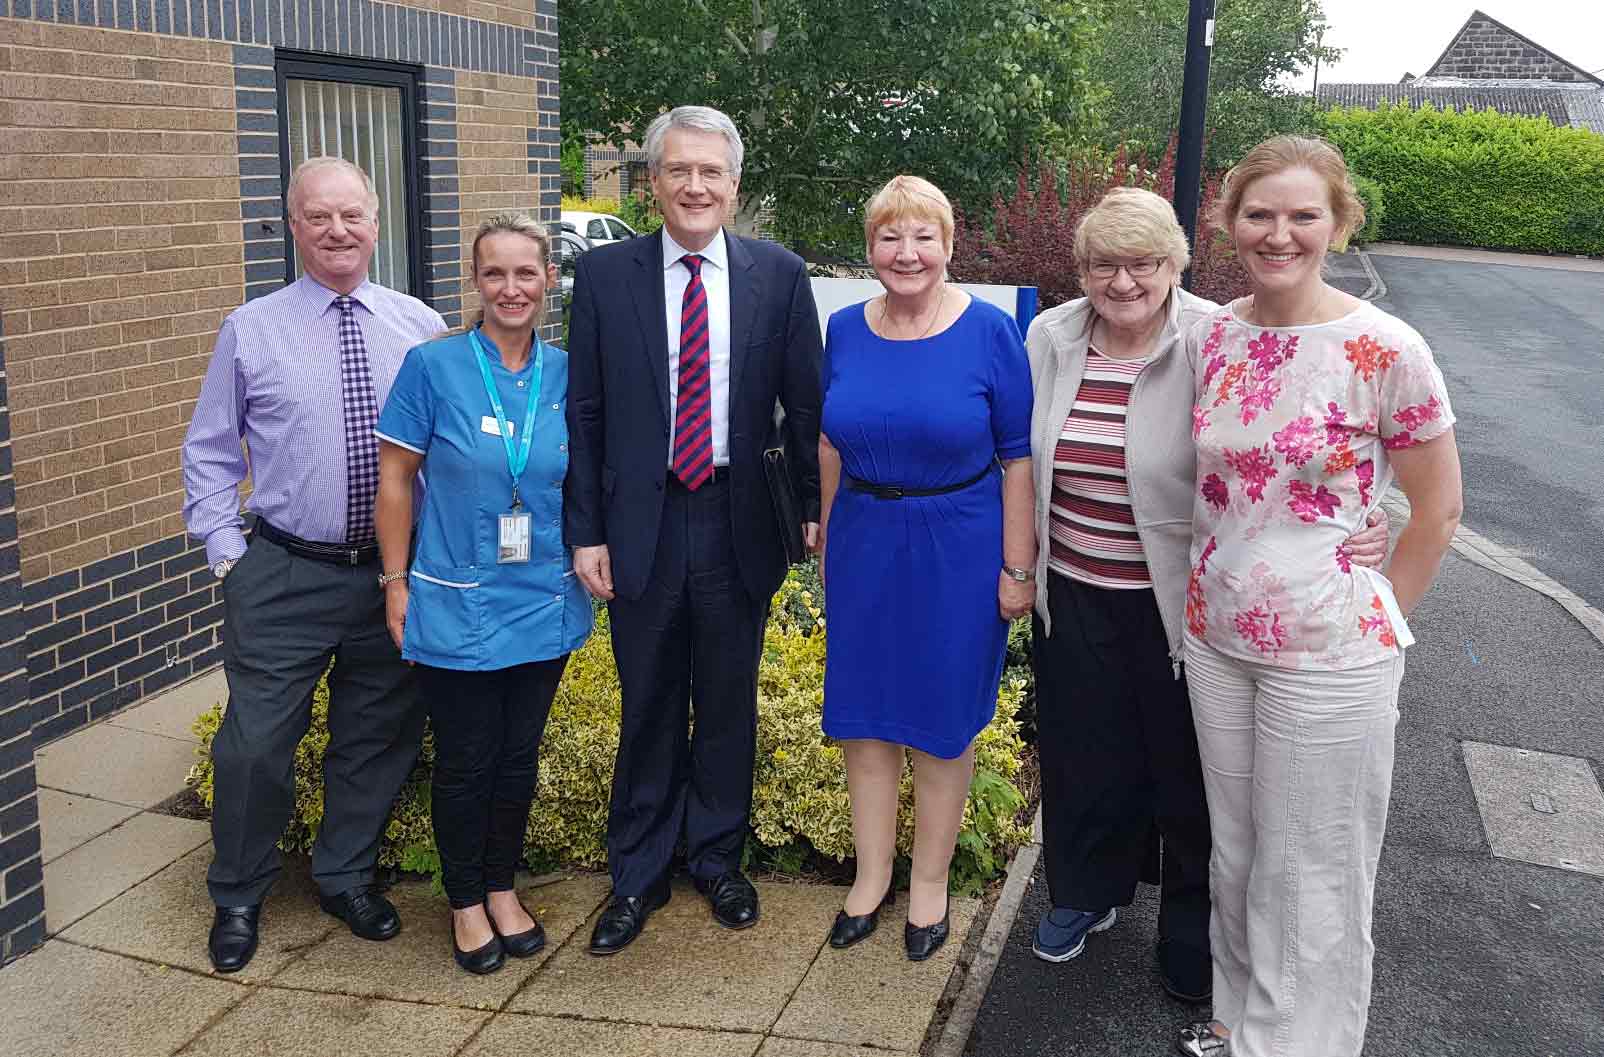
1384	39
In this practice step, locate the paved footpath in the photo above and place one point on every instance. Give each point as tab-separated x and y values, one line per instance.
125	972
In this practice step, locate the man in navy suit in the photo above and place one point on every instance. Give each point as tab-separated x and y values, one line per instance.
680	345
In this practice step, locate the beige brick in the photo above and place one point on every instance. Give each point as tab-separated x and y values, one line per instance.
150	237
127	401
203	322
129	448
154	509
101	478
133	492
37	497
77	557
12	272
172	438
116	311
99	337
43	394
70	510
19	297
53	218
154	419
117	357
103	524
141	533
169	212
116	263
145	283
50	539
229	210
43	271
35	568
148	329
160	461
162	260
167	305
60	318
232	253
100	432
151	374
31	346
14	323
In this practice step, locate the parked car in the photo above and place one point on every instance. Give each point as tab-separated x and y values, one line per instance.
568	246
599	228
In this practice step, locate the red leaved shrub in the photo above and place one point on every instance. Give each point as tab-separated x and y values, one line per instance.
1030	237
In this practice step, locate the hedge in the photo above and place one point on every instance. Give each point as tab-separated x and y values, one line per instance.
1375	203
799	803
1478	178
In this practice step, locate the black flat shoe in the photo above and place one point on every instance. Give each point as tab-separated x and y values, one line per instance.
233	937
523	944
924	940
854	928
733	899
368	914
480	960
623	919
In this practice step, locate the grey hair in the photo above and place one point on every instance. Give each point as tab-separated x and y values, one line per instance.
698	119
293	195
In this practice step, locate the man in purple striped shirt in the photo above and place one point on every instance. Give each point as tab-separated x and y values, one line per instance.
299	376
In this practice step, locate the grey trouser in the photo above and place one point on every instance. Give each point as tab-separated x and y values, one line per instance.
284	618
1298	769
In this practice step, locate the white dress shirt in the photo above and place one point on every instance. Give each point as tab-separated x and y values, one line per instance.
716	282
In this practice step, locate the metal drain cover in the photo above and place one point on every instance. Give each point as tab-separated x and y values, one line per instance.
1538	807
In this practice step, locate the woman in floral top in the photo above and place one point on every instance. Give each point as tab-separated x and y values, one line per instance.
1309	403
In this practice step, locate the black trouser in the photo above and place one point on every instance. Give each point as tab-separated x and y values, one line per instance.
487	728
1118	757
284	617
695	633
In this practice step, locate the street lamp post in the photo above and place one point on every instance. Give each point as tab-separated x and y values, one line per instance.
1194	109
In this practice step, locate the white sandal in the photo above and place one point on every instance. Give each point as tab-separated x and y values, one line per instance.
1201	1040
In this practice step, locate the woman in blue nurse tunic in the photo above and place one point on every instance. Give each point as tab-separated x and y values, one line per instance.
489	609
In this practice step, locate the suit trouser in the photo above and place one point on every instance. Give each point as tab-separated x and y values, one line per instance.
285	617
1298	766
693	636
1118	758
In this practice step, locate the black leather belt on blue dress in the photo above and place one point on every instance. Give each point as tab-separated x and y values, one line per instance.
897	491
333	553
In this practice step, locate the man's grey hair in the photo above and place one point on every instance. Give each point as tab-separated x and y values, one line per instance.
697	119
292	197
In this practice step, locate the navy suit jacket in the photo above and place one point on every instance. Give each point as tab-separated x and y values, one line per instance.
618	410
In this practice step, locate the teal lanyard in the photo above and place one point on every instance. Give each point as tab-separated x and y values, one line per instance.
516	460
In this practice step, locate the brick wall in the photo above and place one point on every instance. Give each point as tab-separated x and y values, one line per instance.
140	201
1486	49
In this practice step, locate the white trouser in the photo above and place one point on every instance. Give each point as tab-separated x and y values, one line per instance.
1298	769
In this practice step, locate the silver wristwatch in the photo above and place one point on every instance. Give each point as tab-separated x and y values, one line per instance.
220	569
1024	576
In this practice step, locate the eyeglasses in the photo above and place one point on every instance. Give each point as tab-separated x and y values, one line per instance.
1135	269
680	175
318	220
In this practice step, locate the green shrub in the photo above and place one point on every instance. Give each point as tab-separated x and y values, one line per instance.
1478	178
1375	209
799	801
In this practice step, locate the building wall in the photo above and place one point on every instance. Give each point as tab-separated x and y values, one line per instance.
1484	49
140	202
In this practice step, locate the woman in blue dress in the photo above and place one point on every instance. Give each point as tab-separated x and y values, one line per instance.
490	608
929	549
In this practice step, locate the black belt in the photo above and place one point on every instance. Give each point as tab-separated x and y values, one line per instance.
897	491
333	553
719	476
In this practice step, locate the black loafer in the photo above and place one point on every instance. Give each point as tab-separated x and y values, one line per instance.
523	944
854	928
480	960
623	919
369	915
233	937
924	940
733	899
1186	971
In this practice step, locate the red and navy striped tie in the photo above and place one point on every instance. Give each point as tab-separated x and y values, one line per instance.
693	408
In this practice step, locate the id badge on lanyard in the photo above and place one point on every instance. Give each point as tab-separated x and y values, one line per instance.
514	528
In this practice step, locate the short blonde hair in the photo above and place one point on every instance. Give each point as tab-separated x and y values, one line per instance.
907	198
1131	222
1277	155
511	224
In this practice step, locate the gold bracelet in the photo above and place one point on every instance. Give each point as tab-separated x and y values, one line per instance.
386	579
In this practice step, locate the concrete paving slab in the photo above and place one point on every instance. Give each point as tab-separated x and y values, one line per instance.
802	1048
871	994
685	971
100	870
67	820
521	1035
416	966
68	1001
1538	807
300	1024
171	712
166	918
149	767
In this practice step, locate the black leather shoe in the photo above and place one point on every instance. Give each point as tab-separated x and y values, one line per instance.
853	928
733	899
523	944
369	914
233	937
624	917
480	960
1186	971
924	940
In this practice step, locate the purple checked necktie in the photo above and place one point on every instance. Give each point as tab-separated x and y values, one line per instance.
361	415
693	407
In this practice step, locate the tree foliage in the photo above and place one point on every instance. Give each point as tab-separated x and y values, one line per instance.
835	96
1141	58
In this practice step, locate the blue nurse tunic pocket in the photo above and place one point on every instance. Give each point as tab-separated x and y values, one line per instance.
445	610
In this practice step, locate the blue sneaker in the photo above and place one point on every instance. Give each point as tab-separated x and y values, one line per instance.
1061	933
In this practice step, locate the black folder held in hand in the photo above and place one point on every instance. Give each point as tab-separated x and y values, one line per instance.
782	493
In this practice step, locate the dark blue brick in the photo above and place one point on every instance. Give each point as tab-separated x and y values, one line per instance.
261	188
138	624
109	614
60	584
88	598
110	702
162	549
200	579
259	144
161	594
187	562
449	203
19	848
208	617
255	77
14	916
82	692
255	99
106	568
54	633
124	651
12	626
64	675
166	677
84	645
24	876
439	148
16	785
202	661
161	636
188	604
136	581
137	669
255	290
12	659
254	122
16	720
264	273
18	752
196	643
40	663
19	816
